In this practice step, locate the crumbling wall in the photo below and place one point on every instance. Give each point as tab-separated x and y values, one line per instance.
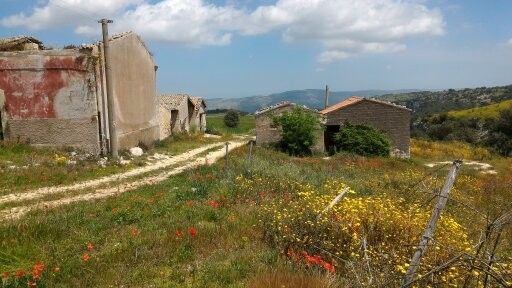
50	98
164	117
198	119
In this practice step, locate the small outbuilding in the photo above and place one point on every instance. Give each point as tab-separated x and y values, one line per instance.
394	120
175	112
267	133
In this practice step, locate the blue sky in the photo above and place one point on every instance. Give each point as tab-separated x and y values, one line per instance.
238	48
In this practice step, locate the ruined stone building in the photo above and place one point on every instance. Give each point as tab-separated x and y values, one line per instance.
198	120
393	120
174	112
267	133
57	97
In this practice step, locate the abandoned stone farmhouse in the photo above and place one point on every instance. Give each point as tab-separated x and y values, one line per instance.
267	133
57	97
181	113
393	120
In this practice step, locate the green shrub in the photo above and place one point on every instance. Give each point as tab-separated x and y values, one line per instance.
298	131
231	119
362	140
500	134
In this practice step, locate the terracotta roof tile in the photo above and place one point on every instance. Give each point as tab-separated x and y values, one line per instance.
347	102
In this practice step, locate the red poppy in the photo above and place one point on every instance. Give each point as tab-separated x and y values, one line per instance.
6	274
90	246
86	257
37	269
135	232
329	267
178	233
19	273
192	231
189	203
213	204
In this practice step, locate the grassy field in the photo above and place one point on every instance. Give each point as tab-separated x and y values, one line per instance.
24	167
214	226
180	143
484	112
215	122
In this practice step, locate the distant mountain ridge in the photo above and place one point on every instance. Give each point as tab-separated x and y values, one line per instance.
313	98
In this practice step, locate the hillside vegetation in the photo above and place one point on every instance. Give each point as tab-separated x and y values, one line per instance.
491	111
428	102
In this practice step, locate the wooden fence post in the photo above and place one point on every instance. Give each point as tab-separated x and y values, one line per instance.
251	143
431	226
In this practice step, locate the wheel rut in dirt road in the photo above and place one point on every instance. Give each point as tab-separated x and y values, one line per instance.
14	213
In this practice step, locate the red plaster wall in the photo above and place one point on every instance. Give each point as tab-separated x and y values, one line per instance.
30	91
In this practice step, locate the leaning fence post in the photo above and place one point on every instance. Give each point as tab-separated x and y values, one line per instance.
251	143
431	226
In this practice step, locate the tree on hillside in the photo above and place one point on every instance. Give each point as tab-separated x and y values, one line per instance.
231	119
298	131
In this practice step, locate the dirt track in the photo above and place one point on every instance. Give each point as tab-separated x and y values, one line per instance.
103	187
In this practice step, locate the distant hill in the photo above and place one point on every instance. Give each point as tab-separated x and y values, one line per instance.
313	98
484	112
428	102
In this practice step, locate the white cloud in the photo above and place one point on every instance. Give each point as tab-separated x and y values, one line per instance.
55	13
344	28
509	42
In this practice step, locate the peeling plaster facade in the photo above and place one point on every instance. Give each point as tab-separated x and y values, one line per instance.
57	97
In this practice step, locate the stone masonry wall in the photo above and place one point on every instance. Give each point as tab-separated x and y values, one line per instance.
393	121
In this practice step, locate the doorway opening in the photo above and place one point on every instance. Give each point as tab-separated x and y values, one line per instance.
174	119
330	131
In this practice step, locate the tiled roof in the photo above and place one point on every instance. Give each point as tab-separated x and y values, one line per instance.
356	99
279	105
172	101
273	107
197	101
13	43
342	104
